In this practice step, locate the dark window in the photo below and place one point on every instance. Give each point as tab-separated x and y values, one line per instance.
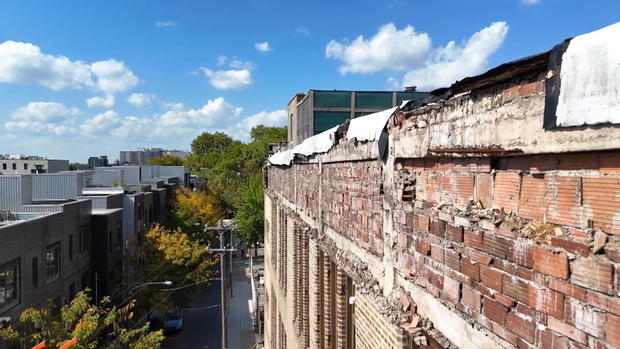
84	240
25	166
52	261
4	165
35	272
119	236
14	166
71	291
8	283
324	120
70	247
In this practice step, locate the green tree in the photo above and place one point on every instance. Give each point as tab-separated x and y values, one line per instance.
100	325
250	212
166	160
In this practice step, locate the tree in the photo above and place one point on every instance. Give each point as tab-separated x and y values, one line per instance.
100	325
196	209
250	212
166	160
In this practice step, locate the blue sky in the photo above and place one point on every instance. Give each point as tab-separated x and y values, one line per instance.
82	78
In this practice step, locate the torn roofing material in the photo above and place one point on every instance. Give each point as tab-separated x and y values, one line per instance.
316	144
369	127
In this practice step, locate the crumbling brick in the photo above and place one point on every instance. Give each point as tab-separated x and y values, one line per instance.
592	275
550	262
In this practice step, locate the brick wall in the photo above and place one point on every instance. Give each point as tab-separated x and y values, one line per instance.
502	234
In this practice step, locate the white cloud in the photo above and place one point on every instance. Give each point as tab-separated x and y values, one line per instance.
166	24
389	49
424	66
243	128
24	63
42	117
221	60
141	99
240	64
229	79
453	62
303	30
101	124
530	2
262	46
102	102
113	76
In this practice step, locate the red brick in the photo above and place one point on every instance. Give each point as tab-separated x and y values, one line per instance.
504	300
567	289
610	162
550	263
532	199
521	326
437	254
470	298
571	246
451	289
520	252
484	189
515	288
612	332
495	245
479	257
491	278
473	238
423	247
613	254
610	304
579	161
592	275
422	222
567	330
563	200
549	339
410	220
438	227
501	331
506	191
544	163
588	319
533	88
510	93
452	259
470	268
494	310
547	301
454	232
601	202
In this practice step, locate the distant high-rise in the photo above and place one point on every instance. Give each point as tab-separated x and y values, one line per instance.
142	156
101	161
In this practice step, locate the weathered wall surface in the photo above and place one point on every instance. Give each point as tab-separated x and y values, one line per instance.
480	229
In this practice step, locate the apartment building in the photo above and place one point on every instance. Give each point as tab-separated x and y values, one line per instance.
486	217
20	164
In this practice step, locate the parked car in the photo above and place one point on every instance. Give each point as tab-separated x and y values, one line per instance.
173	321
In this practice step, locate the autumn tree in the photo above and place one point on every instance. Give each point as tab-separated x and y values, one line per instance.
166	160
100	325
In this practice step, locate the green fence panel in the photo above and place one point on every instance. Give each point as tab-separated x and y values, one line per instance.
332	99
324	120
373	100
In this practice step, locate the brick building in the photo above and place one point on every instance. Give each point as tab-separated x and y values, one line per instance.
485	216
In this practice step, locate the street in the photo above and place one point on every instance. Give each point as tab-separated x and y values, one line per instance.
201	323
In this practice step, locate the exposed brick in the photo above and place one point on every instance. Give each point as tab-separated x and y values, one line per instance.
479	257
491	278
437	253
506	191
501	331
473	238
550	263
612	334
521	326
422	222
470	298
452	259
532	199
588	319
571	246
613	254
462	221
567	289
451	289
579	161
610	162
510	93
515	288
610	304
533	88
520	252
495	245
504	300
601	202
454	232
423	247
549	339
484	189
567	330
592	275
470	268
548	301
410	219
563	200
438	227
494	310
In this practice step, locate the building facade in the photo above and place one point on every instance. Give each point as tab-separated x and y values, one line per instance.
487	220
19	164
318	110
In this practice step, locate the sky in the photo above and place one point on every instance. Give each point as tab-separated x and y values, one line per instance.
88	78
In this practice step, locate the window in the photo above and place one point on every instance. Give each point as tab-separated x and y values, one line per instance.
35	272
119	236
14	166
84	240
25	166
8	283
52	261
70	247
4	165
